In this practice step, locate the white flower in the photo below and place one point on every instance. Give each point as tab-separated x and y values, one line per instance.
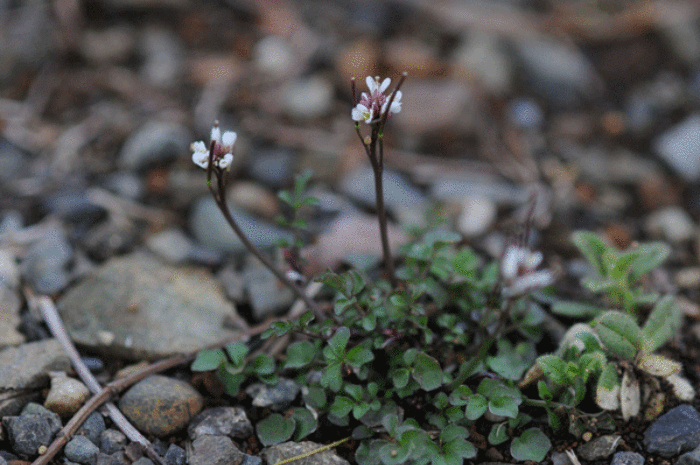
518	271
225	161
222	147
201	155
362	113
374	86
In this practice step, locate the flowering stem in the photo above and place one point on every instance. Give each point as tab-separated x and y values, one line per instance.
220	199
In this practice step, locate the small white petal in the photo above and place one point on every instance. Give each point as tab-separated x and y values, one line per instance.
216	134
531	260
201	159
529	282
198	146
361	113
228	139
385	85
371	84
225	162
510	261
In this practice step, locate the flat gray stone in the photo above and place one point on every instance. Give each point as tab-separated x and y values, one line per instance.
81	450
674	432
24	371
138	307
627	458
286	450
680	148
215	450
221	421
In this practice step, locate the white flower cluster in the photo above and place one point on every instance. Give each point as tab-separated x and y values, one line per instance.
222	148
518	272
372	106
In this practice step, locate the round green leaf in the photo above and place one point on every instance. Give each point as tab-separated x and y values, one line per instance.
533	445
305	423
275	429
208	360
506	406
237	352
299	354
427	372
498	434
476	406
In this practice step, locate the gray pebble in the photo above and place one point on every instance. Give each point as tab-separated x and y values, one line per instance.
277	397
680	148
35	427
112	441
598	448
46	261
221	421
155	142
92	428
674	432
627	458
214	450
175	455
143	461
81	450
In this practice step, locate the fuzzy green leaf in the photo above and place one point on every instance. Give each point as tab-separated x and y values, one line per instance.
336	344
342	406
619	334
575	309
544	392
459	449
263	364
533	445
506	406
400	377
662	324
315	397
553	367
460	396
358	356
208	360
275	429
451	432
651	255
592	248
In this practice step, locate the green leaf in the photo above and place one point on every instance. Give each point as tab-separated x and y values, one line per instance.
427	372
263	364
400	377
619	334
460	396
459	449
305	423
358	356
331	376
354	390
231	381
608	388
392	454
476	406
511	362
299	354
575	309
533	445
451	432
498	434
274	429
553	367
208	360
342	406
592	248
544	392
336	344
662	324
237	352
315	397
465	263
506	406
651	255
440	237
286	197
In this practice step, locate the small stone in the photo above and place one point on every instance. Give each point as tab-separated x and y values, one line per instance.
627	458
307	98
680	147
688	277
525	113
672	224
155	142
160	406
599	448
92	428
163	63
272	168
277	397
411	55
214	450
274	55
254	198
45	263
483	57
689	458
175	455
221	421
431	105
266	293
478	214
112	441
560	458
675	432
287	450
109	45
171	244
66	396
81	450
29	431
143	461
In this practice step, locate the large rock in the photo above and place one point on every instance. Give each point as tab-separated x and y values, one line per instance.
24	371
138	307
673	433
286	450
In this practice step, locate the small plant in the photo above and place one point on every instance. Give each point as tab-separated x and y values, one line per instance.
411	362
618	274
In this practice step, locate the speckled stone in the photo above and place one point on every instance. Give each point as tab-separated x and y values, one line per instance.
66	395
160	405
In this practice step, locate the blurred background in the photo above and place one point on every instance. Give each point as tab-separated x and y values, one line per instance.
564	114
